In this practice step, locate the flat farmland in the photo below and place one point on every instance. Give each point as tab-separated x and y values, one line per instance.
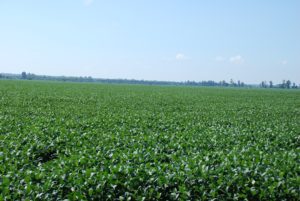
85	141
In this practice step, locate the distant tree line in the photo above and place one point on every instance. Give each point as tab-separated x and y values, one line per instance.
286	84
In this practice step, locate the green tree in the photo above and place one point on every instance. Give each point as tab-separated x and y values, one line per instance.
288	84
232	83
283	85
263	84
24	75
271	84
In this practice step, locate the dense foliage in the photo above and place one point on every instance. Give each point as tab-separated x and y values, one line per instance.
286	84
120	142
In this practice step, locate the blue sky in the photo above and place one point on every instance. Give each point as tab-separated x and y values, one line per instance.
153	39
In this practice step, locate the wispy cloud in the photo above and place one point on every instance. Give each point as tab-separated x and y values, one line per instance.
180	56
284	62
238	59
88	2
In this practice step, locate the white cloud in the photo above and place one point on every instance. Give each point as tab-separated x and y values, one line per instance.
88	2
238	59
180	56
219	58
284	62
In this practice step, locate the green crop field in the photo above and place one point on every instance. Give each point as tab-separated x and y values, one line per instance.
131	142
